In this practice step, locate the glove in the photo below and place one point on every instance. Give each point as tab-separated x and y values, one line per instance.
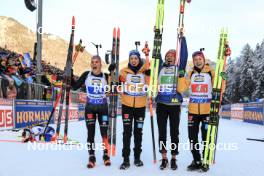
223	75
147	72
181	73
122	79
111	67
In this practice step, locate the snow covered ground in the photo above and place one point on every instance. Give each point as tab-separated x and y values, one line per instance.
246	160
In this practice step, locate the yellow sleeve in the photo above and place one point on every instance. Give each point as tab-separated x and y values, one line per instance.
182	85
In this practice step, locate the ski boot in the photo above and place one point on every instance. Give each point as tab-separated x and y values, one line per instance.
195	165
92	161
204	168
164	164
106	159
125	165
173	164
138	162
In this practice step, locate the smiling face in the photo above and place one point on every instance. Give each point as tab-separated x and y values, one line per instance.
134	60
198	61
170	59
96	65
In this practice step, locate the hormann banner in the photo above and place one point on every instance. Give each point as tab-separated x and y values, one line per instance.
254	113
226	111
28	112
237	111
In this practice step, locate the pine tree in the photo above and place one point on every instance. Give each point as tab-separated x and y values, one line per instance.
231	94
258	71
246	71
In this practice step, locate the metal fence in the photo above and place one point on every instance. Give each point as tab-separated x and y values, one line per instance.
34	91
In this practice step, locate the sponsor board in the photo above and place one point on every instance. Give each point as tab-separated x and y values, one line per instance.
6	114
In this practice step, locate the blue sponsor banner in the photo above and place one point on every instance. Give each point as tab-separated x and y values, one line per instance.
26	61
226	111
81	110
29	112
253	113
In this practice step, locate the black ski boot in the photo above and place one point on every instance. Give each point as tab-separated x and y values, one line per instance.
138	162
204	168
195	165
92	161
164	164
173	164
125	165
106	159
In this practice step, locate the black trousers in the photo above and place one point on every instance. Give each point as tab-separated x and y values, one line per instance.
132	116
171	112
92	113
193	131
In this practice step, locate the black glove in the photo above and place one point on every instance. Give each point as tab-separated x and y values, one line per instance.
111	67
147	72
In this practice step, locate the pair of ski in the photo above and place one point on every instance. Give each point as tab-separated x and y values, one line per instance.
181	59
66	86
212	130
156	58
113	105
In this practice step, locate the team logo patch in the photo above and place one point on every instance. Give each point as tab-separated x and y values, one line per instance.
104	118
169	70
135	79
126	116
89	116
140	125
199	78
202	88
174	100
96	81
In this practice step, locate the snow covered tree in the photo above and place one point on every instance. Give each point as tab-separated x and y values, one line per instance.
231	94
245	75
259	71
246	71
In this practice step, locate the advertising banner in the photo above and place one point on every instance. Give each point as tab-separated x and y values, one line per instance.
6	114
225	111
29	112
253	113
237	111
81	112
73	113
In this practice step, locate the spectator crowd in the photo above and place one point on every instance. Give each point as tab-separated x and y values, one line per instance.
16	76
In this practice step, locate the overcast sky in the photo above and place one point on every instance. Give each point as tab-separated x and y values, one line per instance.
95	20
